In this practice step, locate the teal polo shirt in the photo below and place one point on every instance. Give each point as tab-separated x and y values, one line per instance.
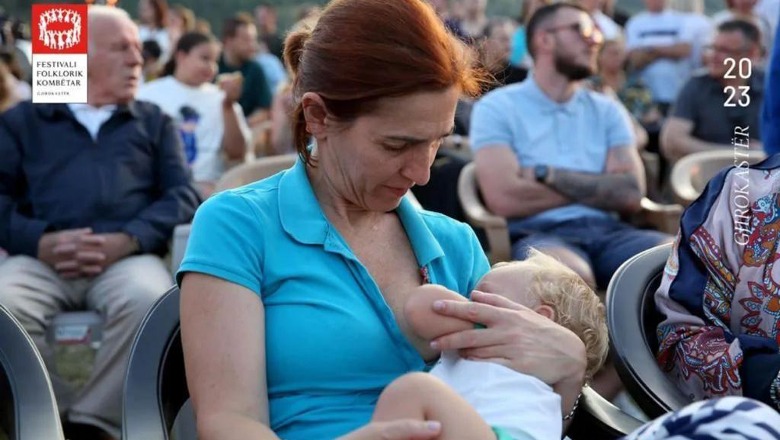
332	343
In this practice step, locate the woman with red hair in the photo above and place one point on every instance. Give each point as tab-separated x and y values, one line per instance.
292	286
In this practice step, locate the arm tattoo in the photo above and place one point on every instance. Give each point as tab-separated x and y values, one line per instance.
610	192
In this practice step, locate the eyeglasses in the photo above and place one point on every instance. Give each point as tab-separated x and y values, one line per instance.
733	53
585	28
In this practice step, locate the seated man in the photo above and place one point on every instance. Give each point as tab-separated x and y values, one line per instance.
89	196
558	159
707	116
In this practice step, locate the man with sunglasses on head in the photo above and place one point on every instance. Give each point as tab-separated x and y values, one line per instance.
560	160
720	107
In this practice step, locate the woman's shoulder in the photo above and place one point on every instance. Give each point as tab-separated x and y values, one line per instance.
257	198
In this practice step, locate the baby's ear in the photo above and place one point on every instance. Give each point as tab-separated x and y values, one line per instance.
546	311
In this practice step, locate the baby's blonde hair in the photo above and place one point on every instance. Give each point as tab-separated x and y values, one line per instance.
576	305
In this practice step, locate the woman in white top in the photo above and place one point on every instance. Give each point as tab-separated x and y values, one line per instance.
152	17
211	123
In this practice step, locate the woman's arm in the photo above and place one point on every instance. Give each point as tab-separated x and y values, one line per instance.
427	324
223	337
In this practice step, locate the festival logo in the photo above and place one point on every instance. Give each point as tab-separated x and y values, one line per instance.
59	34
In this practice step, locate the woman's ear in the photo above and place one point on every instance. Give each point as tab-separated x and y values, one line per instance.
314	112
546	311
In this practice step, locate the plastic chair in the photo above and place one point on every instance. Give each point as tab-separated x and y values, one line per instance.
28	409
690	174
632	319
155	385
665	218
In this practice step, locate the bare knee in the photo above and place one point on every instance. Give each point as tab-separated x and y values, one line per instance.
409	391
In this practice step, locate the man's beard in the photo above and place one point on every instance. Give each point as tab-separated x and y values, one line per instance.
574	72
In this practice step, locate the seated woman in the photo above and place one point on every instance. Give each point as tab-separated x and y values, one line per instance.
211	123
293	287
721	289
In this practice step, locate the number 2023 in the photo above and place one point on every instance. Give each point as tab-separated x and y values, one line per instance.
744	70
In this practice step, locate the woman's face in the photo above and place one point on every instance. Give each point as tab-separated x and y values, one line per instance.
199	65
612	57
174	21
374	160
146	12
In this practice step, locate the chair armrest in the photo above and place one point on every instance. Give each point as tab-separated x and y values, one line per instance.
597	418
478	216
181	233
663	217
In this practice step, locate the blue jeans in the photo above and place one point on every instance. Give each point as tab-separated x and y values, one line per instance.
604	243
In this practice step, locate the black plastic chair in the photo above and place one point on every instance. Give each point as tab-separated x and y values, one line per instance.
28	409
156	389
632	319
155	385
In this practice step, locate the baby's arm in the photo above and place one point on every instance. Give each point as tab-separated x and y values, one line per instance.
427	324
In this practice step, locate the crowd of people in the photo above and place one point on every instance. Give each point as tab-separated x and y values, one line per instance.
424	339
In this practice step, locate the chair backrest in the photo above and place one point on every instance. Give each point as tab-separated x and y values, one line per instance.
632	319
155	385
597	418
691	174
253	171
28	409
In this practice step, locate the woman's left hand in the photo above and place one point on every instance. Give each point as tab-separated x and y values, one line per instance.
516	337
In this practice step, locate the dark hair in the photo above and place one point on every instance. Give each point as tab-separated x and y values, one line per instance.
186	43
9	58
150	49
749	31
231	25
541	16
361	51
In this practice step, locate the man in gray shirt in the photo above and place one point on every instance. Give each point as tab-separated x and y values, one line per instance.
720	107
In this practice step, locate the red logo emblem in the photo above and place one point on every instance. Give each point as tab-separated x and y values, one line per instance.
59	28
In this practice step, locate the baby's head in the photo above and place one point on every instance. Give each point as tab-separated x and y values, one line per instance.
548	287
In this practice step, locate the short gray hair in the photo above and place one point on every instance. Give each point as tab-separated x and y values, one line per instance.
97	13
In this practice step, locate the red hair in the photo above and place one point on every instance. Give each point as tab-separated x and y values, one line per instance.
360	51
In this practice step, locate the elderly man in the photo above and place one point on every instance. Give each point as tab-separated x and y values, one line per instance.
89	196
560	160
720	108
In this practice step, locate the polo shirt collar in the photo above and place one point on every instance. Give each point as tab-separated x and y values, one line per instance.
547	105
301	216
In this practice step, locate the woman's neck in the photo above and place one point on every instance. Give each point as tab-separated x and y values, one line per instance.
343	213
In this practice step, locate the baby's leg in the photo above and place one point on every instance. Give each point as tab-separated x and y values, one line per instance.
422	396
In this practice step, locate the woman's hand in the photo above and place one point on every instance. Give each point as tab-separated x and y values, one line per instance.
403	429
516	337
